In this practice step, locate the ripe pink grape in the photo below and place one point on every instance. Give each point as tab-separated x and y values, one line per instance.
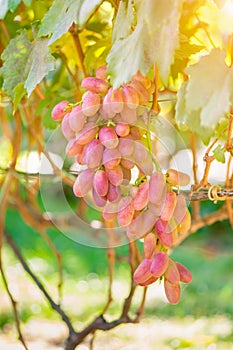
125	211
172	292
142	196
111	158
84	183
122	129
172	272
131	96
156	187
168	206
142	272
100	183
185	274
163	235
115	175
95	85
149	245
77	119
87	134
91	103
66	129
59	111
108	137
159	264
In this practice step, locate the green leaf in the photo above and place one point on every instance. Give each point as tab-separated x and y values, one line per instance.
219	154
13	4
25	62
62	14
154	39
19	93
3	8
27	2
95	55
124	20
41	63
15	56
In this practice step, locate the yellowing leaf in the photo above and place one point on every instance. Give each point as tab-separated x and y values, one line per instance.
124	20
210	88
206	97
154	39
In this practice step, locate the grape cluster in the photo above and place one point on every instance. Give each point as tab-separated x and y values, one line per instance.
107	133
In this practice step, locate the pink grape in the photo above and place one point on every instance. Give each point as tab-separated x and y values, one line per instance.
122	129
141	225
185	274
172	272
126	174
126	147
87	134
100	183
180	209
142	196
58	111
163	235
110	211
155	208
125	211
140	152
115	175
146	166
156	187
172	292
66	129
91	103
177	178
144	96
185	224
98	200
136	133
77	119
146	82
114	193
108	137
73	148
128	164
159	264
148	281
101	72
107	111
149	245
93	154
95	85
111	158
168	206
117	101
129	115
131	96
83	184
142	272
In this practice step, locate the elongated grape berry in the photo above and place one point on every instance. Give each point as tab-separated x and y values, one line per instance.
100	183
142	272
59	111
125	211
185	274
108	137
172	292
159	264
95	85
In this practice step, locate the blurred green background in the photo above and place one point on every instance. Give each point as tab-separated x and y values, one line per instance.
207	253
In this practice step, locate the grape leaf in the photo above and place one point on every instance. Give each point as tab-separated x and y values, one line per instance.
206	97
3	8
154	39
25	62
124	20
62	14
219	154
19	93
13	4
